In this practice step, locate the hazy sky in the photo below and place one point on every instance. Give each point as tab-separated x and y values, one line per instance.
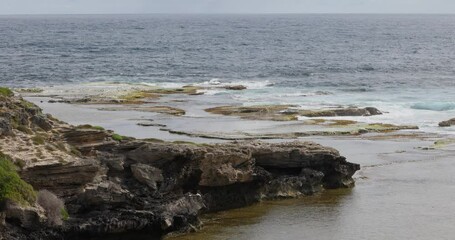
225	6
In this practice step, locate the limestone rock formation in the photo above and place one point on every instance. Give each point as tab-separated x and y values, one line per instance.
117	188
289	112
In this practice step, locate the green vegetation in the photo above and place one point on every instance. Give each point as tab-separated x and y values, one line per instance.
153	140
38	140
117	137
136	96
6	92
12	187
75	152
65	214
444	142
88	126
27	104
20	163
24	129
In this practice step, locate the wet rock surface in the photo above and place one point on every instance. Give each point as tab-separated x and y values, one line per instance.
288	112
125	187
448	123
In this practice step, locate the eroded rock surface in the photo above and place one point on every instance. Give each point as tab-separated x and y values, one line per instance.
120	187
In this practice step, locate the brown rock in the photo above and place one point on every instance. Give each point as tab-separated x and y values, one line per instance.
62	178
235	87
85	137
447	123
306	155
288	112
369	111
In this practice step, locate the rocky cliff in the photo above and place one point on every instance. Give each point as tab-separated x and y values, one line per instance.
117	186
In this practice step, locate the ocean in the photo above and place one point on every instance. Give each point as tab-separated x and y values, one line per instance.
401	64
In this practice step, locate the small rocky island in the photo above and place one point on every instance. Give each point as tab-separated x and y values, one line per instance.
104	185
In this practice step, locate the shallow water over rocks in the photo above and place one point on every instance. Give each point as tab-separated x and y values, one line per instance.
402	192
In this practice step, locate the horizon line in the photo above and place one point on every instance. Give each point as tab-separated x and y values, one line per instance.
234	13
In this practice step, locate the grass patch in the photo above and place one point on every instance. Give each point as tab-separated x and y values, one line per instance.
20	163
117	137
153	140
444	142
12	187
88	126
38	140
24	129
6	92
75	152
65	214
136	96
27	104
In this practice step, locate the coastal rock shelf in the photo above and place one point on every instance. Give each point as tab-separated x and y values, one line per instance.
289	112
180	115
114	185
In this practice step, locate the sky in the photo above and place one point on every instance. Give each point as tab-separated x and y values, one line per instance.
224	6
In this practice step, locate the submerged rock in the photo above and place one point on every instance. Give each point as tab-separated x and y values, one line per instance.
354	112
235	87
288	112
448	123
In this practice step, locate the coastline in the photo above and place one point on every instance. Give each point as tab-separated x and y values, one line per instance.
150	111
375	150
112	184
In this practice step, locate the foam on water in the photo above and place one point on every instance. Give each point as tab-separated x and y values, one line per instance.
249	84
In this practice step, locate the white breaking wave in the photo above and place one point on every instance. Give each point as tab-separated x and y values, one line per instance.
248	84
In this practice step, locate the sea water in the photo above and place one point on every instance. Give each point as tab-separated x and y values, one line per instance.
401	64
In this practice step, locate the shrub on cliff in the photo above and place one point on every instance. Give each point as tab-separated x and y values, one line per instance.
6	92
12	187
117	137
54	207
